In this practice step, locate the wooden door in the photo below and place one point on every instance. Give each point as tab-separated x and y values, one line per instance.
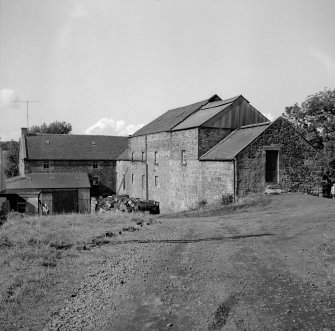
271	167
65	202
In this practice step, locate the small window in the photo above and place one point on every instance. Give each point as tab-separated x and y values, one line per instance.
95	165
155	158
47	142
93	143
132	178
156	181
124	181
142	156
143	181
95	181
21	207
132	157
46	164
183	157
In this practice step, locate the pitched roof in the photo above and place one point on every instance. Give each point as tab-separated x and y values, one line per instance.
48	181
74	147
124	156
171	118
205	113
229	147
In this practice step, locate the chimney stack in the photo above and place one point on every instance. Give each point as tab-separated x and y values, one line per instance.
24	132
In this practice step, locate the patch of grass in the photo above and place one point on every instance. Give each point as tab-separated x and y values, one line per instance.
242	204
40	262
327	248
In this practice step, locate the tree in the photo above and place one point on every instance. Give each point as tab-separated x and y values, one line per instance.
12	164
315	119
53	128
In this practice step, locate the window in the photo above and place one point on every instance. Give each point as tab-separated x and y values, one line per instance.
93	143
142	156
46	165
156	181
183	157
95	165
155	158
95	181
143	181
132	157
132	178
124	181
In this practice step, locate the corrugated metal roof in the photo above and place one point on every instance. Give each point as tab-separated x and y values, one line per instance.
49	181
74	147
229	147
220	103
124	156
171	118
200	117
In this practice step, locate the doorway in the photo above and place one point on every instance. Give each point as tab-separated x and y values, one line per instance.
65	202
271	166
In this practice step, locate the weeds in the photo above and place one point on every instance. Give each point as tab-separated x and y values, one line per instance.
40	260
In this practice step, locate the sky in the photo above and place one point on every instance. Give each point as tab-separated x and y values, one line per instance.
111	66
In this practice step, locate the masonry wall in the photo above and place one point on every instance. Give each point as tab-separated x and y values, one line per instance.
298	170
178	186
106	172
209	137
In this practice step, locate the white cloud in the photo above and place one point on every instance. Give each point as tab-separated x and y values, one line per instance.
7	96
270	116
109	126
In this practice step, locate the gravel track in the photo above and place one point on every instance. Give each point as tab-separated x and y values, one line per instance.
255	270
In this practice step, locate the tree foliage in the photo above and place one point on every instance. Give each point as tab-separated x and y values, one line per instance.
315	119
12	162
52	128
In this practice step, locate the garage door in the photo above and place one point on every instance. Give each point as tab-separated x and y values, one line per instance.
65	202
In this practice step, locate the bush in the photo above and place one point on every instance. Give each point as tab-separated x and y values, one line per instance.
227	199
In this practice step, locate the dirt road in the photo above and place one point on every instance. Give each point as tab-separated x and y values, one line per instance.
269	267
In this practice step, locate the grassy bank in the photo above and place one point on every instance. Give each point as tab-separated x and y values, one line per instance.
43	257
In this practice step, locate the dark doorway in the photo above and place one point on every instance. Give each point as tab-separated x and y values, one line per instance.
65	202
271	167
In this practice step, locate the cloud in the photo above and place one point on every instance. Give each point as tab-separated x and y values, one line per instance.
270	116
109	126
7	96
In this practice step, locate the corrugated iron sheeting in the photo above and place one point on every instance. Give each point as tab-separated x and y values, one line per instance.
200	117
49	181
228	148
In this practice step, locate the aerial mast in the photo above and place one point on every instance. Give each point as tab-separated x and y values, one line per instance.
27	102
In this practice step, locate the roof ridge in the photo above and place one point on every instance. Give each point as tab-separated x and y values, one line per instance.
74	135
205	102
254	125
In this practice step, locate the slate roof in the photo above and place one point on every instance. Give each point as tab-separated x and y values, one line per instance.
171	118
205	113
229	147
40	181
74	147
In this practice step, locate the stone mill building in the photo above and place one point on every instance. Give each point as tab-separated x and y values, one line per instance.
210	149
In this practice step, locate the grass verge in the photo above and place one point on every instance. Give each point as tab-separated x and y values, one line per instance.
43	257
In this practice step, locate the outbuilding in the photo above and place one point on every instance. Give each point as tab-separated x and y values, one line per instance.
59	192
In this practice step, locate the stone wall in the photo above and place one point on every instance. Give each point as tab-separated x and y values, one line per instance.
209	137
298	169
178	185
106	172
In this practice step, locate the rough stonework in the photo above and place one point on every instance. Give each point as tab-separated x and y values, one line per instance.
298	169
209	137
